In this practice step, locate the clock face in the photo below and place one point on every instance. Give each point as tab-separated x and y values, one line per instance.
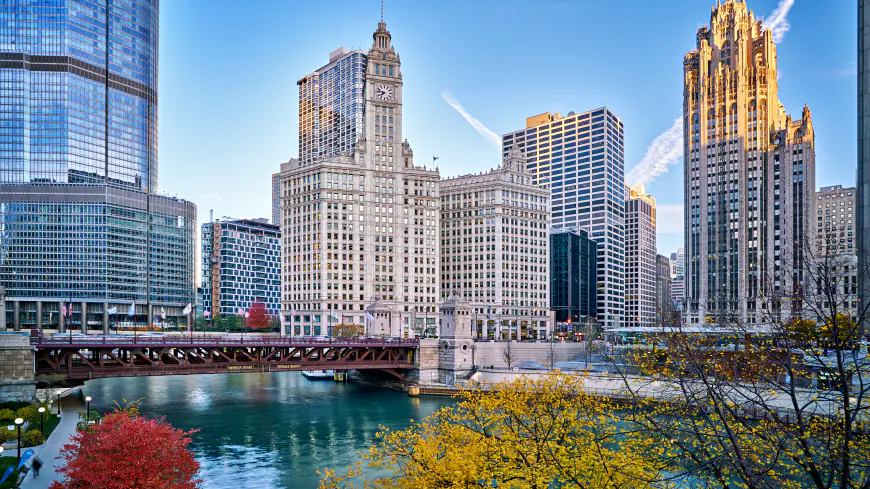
384	92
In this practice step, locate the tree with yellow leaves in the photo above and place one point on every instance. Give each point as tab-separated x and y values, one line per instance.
528	434
779	401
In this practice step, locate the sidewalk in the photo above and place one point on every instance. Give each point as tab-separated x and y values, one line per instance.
49	451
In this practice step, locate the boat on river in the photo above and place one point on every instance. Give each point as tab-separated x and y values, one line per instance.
318	374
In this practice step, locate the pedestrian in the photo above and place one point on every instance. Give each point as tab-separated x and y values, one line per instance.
37	464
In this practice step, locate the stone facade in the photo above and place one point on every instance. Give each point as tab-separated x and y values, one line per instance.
456	355
835	220
640	258
749	172
363	224
491	353
495	249
16	369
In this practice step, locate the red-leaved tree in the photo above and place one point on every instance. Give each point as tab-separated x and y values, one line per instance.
257	317
126	451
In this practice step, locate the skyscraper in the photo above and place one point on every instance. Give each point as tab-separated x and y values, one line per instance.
862	214
495	249
362	228
241	264
678	263
678	278
835	220
80	220
331	106
276	199
749	172
664	302
573	294
640	258
581	159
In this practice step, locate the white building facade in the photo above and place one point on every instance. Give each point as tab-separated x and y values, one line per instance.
640	258
362	228
495	250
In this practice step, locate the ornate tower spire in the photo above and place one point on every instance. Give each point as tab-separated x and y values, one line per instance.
381	37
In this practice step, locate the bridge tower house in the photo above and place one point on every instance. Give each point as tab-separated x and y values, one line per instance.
456	347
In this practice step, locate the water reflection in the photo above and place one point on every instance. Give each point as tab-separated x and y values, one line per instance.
267	430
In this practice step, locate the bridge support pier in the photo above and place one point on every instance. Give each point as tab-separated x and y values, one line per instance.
105	318
16	369
16	315
61	320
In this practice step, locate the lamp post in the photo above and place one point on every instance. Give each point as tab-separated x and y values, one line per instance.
88	401
41	420
18	423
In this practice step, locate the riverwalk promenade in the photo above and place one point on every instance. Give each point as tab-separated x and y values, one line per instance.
50	450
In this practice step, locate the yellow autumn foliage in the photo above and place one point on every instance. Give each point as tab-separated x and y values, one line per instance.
525	434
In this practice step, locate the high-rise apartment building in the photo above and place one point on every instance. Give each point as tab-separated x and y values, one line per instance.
749	172
331	107
664	303
495	249
580	159
640	258
835	221
241	264
362	228
573	272
80	219
276	199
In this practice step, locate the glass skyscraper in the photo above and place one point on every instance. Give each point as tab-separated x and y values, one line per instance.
581	159
572	275
331	107
80	220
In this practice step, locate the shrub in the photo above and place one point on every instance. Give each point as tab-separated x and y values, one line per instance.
32	438
7	415
6	435
25	413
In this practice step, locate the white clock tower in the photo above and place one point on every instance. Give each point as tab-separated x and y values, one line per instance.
383	103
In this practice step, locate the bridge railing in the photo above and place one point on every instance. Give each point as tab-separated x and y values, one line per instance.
216	340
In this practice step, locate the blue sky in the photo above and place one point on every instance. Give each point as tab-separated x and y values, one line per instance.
228	97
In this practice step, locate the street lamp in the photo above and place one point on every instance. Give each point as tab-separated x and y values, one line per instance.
88	401
41	420
18	423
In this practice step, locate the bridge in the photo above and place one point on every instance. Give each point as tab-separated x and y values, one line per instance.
96	356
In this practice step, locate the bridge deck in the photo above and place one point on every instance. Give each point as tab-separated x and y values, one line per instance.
238	340
91	357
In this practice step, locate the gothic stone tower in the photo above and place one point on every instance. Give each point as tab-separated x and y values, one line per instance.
749	173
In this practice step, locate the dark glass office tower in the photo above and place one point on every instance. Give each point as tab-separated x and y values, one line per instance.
573	264
80	219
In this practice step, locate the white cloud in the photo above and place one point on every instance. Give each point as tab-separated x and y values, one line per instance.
665	150
478	126
778	21
669	219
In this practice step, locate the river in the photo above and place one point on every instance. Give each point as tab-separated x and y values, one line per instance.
267	430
